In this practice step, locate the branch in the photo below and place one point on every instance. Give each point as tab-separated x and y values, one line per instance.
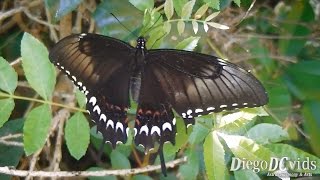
123	172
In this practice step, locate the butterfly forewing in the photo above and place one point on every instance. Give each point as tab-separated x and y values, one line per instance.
99	67
198	84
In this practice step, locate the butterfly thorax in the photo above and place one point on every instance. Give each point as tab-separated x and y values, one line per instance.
138	68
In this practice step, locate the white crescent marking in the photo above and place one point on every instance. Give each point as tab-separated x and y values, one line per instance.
155	129
144	129
103	117
93	100
97	108
119	125
166	126
110	122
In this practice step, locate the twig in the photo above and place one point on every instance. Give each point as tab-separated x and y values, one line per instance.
27	12
18	9
53	33
6	140
122	172
11	143
247	12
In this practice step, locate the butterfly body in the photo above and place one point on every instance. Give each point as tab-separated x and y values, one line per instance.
108	71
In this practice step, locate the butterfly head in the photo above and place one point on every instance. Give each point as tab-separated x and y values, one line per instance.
141	43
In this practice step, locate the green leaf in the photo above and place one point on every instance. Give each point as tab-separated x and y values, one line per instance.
8	77
142	4
141	177
195	26
265	133
191	169
214	157
66	6
77	135
211	16
311	114
187	9
200	12
178	4
168	9
188	44
243	147
237	2
180	25
307	67
217	25
81	98
294	154
10	155
119	161
215	4
36	128
198	133
205	26
6	107
167	27
39	71
246	174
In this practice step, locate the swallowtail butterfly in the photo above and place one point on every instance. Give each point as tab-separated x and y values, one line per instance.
109	71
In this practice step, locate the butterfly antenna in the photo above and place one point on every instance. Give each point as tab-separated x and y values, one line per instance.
162	162
123	25
153	24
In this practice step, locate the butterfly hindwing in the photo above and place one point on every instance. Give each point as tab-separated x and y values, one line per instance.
198	84
155	121
98	66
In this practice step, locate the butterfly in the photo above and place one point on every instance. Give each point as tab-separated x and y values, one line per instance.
110	72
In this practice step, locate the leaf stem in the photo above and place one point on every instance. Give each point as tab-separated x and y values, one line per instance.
41	101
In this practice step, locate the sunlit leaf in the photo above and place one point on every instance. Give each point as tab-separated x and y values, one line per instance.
167	27
211	16
265	133
6	107
8	77
178	4
187	9
295	154
243	147
39	72
195	26
200	12
188	44
246	174
217	25
81	98
142	4
205	27
168	9
180	26
77	135
214	157
36	128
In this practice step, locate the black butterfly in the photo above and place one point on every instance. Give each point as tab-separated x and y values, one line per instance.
107	70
